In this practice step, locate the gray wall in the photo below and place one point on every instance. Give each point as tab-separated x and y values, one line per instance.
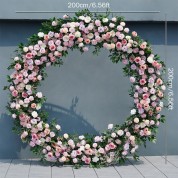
8	8
87	92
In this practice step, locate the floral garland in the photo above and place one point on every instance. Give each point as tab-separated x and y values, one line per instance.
47	48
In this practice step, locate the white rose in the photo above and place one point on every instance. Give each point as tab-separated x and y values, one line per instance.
118	141
128	37
66	136
38	107
110	126
33	121
120	132
39	94
25	49
114	19
163	87
129	50
150	59
126	30
132	138
147	122
150	85
39	77
81	17
95	159
41	34
161	104
34	114
105	20
46	125
90	35
81	137
148	132
52	134
16	58
77	34
38	142
21	102
132	150
28	87
70	142
133	111
17	106
142	125
14	116
48	148
87	19
153	98
39	126
58	127
12	105
87	146
83	142
54	23
113	135
95	145
136	120
111	25
59	48
122	24
82	148
80	45
25	105
98	139
65	38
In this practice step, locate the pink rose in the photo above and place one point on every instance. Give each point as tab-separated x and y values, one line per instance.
137	60
112	146
87	160
143	45
118	45
29	55
125	61
32	144
17	66
52	47
14	93
142	81
126	30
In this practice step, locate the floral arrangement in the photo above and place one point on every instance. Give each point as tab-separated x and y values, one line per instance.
47	48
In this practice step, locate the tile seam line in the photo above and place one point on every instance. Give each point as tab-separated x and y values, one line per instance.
170	162
156	167
136	168
117	171
8	168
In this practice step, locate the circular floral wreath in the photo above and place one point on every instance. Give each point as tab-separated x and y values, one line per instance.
47	48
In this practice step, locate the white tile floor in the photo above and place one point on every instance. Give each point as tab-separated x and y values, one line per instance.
148	167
